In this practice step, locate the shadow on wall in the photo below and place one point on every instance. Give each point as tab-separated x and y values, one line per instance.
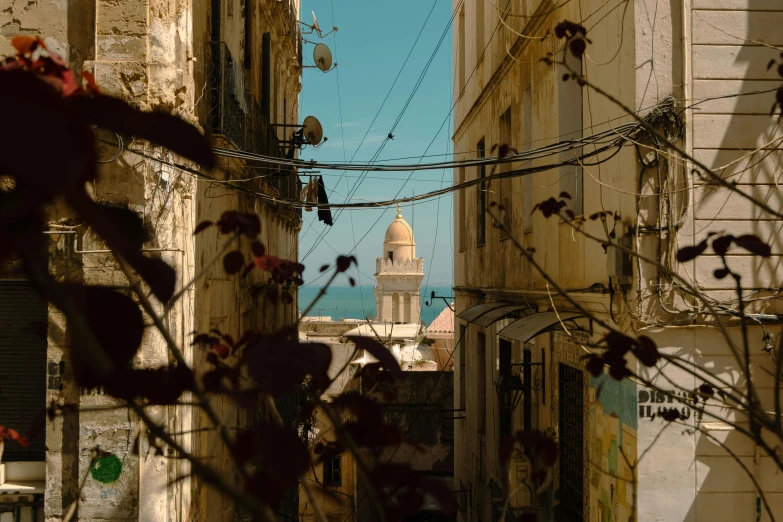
727	129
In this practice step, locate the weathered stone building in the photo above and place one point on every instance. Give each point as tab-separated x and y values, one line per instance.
233	68
700	67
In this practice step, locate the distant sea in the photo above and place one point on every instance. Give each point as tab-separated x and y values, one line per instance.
346	302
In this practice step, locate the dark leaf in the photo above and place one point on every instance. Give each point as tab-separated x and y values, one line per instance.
129	223
243	446
721	244
205	339
202	226
233	262
115	321
221	350
770	64
324	268
378	351
570	213
753	244
618	343
258	248
280	365
566	76
160	128
780	70
161	278
283	456
691	252
351	281
565	195
595	365
344	262
158	385
721	273
618	371
670	414
577	46
647	352
595	216
706	391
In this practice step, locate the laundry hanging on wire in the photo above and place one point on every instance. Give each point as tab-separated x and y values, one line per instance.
314	193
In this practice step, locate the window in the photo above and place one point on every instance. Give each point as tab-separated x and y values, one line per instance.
570	106
333	473
461	217
505	370
463	378
481	383
23	372
527	181
390	254
461	51
406	301
506	189
481	218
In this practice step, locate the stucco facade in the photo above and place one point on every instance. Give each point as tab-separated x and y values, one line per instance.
645	54
178	57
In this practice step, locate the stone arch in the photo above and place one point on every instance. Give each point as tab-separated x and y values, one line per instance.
406	300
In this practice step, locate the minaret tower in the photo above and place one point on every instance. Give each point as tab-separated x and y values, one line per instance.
398	275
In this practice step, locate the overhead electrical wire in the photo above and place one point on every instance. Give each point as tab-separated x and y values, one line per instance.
359	181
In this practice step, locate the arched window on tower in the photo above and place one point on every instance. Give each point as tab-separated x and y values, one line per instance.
390	255
395	307
407	307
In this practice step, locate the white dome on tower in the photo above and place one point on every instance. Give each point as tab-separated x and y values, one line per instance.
398	243
398	275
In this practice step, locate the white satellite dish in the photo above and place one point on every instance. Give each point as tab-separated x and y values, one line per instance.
316	27
322	57
312	130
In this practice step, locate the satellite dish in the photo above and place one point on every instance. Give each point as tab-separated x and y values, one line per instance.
316	27
312	130
322	57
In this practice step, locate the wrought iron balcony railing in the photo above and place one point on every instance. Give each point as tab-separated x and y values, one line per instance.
233	113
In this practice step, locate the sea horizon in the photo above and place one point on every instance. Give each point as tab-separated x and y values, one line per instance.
358	302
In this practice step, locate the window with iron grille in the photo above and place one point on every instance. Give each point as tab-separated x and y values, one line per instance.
571	441
333	473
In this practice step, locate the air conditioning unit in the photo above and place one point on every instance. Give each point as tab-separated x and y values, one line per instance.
520	482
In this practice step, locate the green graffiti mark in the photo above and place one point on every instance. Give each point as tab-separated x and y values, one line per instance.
106	469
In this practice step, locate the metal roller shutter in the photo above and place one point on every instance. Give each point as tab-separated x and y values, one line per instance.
23	327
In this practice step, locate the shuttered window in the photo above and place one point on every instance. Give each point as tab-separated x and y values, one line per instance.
23	325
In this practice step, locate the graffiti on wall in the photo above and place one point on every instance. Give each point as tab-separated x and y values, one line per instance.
654	402
613	425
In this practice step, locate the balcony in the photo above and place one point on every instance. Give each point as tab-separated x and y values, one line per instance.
242	124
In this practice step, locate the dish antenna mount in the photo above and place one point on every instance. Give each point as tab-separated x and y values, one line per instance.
311	133
315	28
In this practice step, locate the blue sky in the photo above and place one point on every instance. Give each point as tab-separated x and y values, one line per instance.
371	45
